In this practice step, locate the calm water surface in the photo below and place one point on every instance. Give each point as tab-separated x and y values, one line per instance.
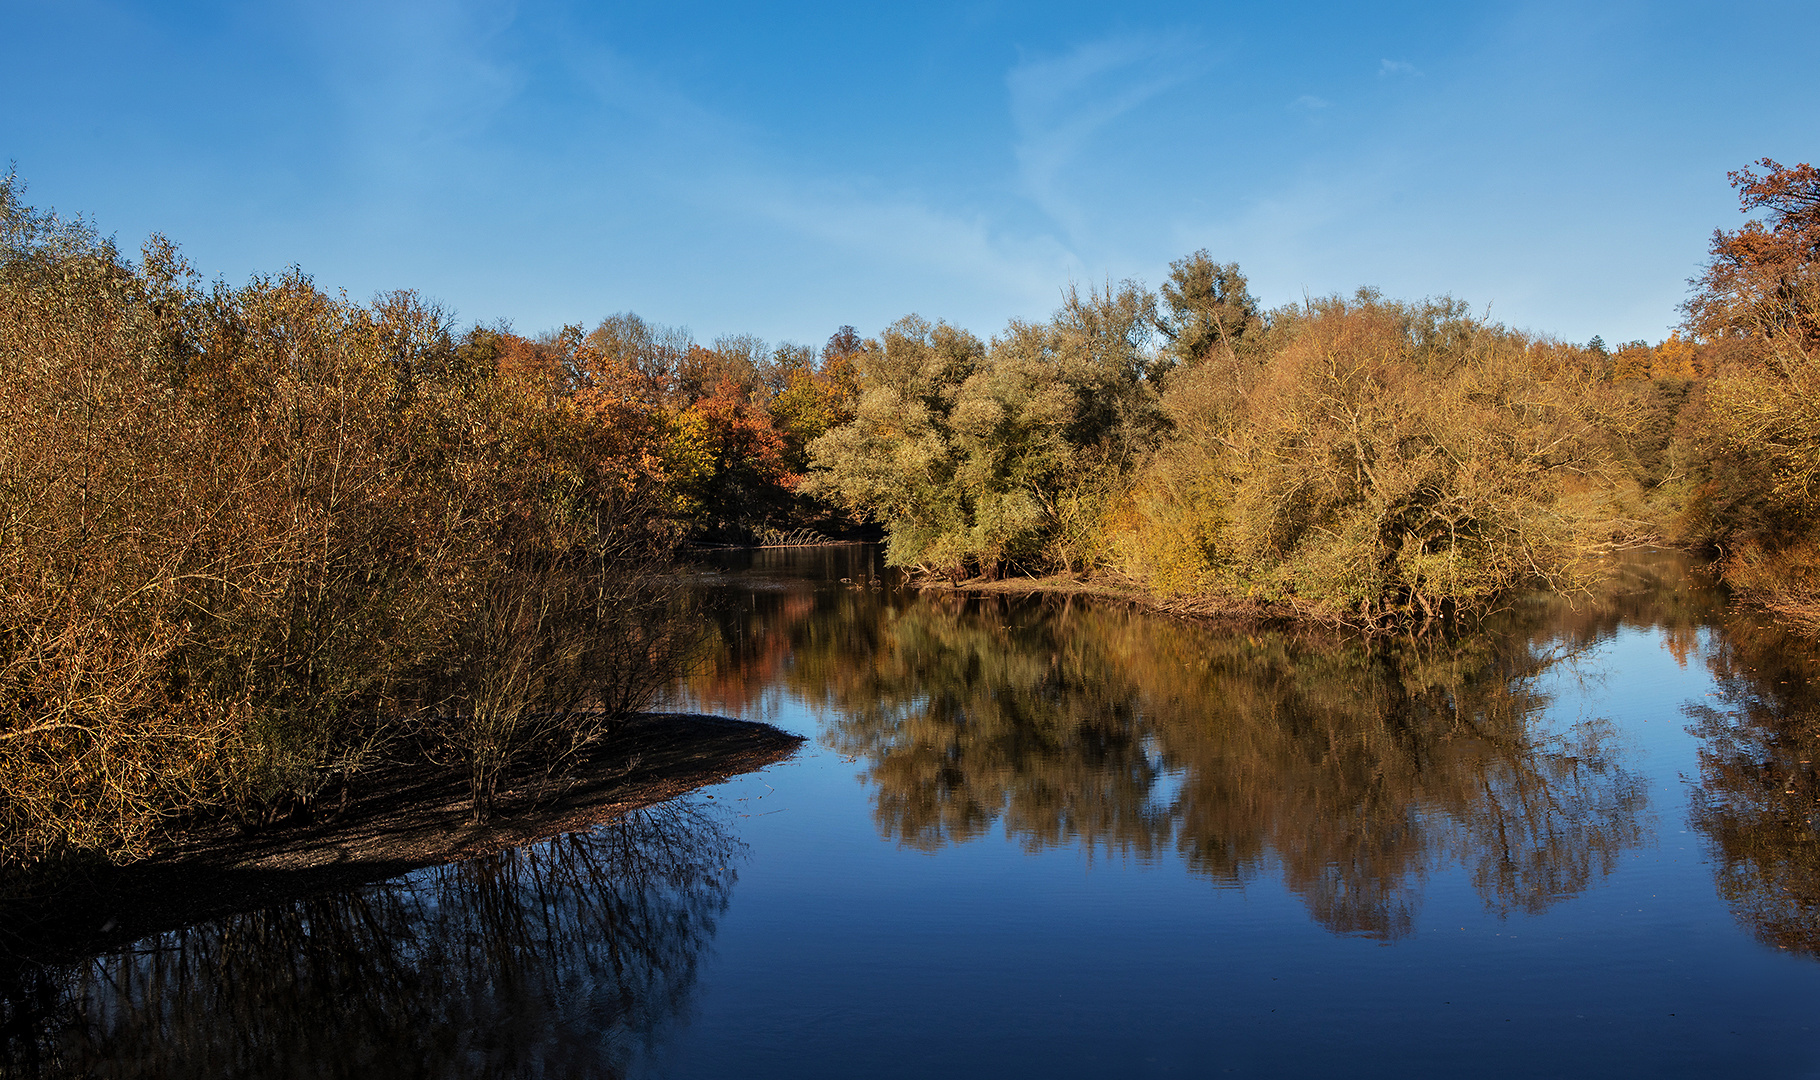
1066	839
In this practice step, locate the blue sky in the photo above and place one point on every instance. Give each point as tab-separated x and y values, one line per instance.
782	169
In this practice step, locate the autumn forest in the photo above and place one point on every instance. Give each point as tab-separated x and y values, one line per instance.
259	538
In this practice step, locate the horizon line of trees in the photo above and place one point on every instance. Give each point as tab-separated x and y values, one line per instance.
1355	459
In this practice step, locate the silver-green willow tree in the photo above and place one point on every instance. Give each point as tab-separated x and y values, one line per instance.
983	459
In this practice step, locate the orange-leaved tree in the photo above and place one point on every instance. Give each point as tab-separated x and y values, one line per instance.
1763	280
1760	297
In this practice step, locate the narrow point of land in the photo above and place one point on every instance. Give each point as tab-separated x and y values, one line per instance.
392	823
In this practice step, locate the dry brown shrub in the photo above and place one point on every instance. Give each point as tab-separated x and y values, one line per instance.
242	531
1385	462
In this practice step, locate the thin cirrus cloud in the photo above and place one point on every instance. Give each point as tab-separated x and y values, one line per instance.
407	83
741	171
1059	105
906	232
915	253
990	263
890	246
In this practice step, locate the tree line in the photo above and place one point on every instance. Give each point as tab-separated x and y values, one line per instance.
1354	459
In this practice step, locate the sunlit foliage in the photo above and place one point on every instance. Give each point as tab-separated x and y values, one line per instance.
1348	458
1759	298
256	539
980	459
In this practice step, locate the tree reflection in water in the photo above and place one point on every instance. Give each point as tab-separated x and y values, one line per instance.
1353	768
1759	797
561	959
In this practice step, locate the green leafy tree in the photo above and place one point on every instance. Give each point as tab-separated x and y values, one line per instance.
896	460
1206	306
980	460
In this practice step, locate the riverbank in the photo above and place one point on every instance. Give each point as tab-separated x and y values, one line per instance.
392	823
1799	615
1124	590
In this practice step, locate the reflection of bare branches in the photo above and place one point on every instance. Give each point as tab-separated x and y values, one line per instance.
560	959
1552	820
1759	797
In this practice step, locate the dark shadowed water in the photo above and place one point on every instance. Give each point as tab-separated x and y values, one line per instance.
1055	838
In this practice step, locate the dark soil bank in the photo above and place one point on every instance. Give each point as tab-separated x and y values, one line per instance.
391	824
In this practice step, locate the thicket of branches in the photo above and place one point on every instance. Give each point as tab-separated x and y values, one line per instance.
254	540
1758	300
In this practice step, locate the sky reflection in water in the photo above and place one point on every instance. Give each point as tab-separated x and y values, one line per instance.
1085	841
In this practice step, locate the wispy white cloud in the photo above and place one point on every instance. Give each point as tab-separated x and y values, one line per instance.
728	171
1060	105
1388	69
429	83
902	229
1323	230
415	74
1310	103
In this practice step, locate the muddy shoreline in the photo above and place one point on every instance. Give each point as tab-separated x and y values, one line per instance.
394	822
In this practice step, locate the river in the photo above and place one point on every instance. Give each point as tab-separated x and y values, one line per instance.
1051	837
